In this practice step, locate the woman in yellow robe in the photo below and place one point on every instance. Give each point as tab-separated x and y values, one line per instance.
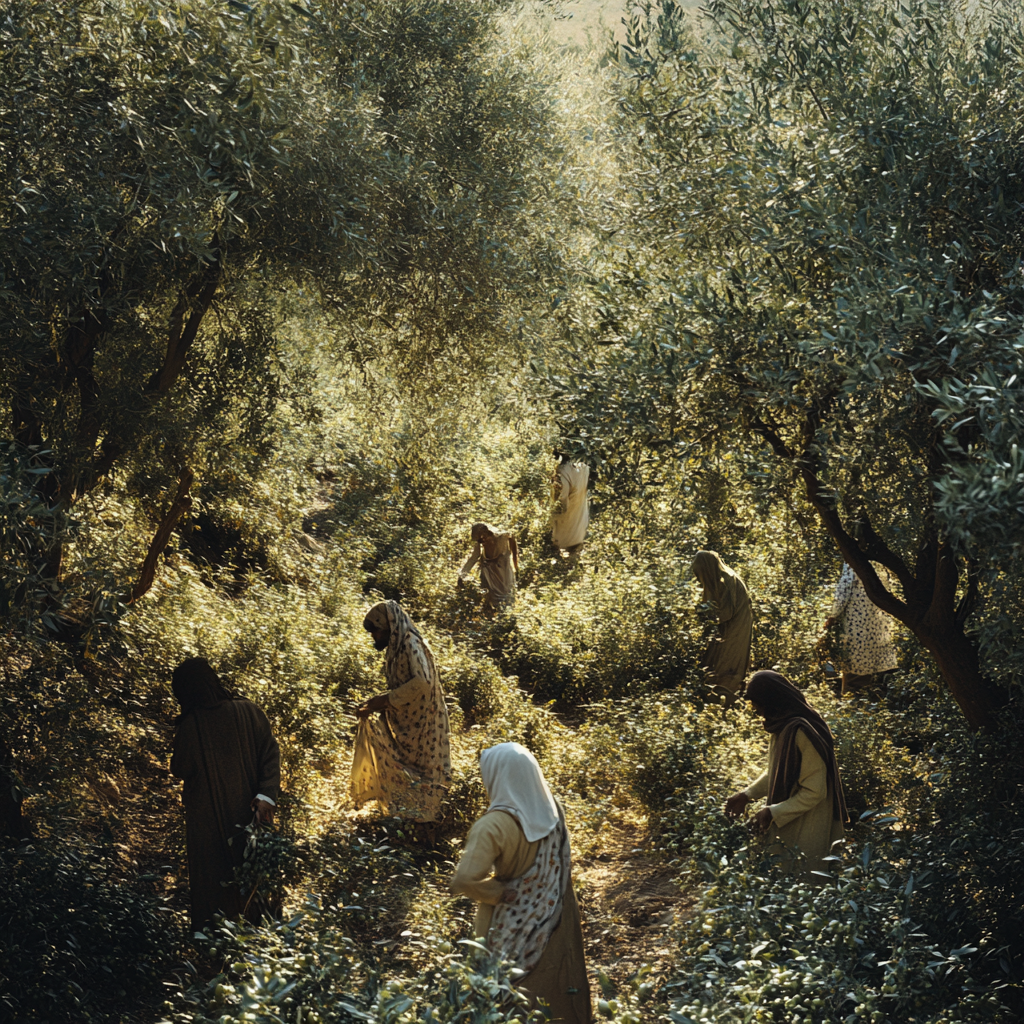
403	759
517	865
806	810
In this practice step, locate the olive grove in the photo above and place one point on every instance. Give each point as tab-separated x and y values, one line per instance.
292	294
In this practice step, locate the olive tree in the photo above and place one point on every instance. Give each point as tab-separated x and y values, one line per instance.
170	168
822	273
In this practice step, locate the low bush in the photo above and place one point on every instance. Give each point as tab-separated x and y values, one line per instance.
77	940
306	971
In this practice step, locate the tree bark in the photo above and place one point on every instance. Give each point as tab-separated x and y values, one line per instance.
956	656
182	502
930	609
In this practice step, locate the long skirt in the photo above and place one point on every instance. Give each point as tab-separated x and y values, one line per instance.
560	977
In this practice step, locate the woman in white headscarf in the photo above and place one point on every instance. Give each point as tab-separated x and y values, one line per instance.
403	759
517	866
727	660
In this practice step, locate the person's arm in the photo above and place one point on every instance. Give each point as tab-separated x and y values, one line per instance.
268	768
726	607
758	788
183	757
514	548
811	788
737	803
474	875
474	557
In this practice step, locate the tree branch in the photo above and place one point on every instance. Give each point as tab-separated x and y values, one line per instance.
195	300
969	601
182	502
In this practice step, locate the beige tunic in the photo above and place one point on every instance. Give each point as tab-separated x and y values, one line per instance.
496	852
804	822
497	575
569	524
226	756
729	659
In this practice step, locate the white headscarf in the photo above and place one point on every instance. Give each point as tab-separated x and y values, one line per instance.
516	784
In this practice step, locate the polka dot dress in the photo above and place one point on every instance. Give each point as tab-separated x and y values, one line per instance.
403	759
865	631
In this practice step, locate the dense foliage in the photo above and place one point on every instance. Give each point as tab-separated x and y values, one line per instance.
292	294
826	204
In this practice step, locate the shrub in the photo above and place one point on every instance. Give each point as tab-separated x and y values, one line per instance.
77	942
305	970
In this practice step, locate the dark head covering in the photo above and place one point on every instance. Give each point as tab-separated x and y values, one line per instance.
787	713
196	685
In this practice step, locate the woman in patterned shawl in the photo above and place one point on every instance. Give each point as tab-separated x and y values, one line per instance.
728	659
403	758
806	809
518	867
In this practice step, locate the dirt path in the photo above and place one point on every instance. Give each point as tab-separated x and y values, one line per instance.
629	903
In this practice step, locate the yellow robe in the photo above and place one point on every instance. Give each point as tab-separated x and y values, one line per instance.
803	822
402	759
496	851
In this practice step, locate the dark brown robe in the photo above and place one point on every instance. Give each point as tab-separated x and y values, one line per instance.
226	755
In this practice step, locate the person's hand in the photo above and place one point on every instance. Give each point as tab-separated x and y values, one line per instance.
378	703
264	811
763	819
510	894
736	804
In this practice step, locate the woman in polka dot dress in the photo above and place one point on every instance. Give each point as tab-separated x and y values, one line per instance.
403	759
865	633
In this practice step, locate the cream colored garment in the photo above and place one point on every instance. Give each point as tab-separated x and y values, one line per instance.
515	783
403	759
497	575
728	660
520	929
804	822
497	852
865	630
569	524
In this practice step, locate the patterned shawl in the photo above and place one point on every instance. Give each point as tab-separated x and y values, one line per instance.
788	713
521	930
408	655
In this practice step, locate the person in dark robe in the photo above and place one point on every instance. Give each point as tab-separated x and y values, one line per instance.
226	754
12	794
